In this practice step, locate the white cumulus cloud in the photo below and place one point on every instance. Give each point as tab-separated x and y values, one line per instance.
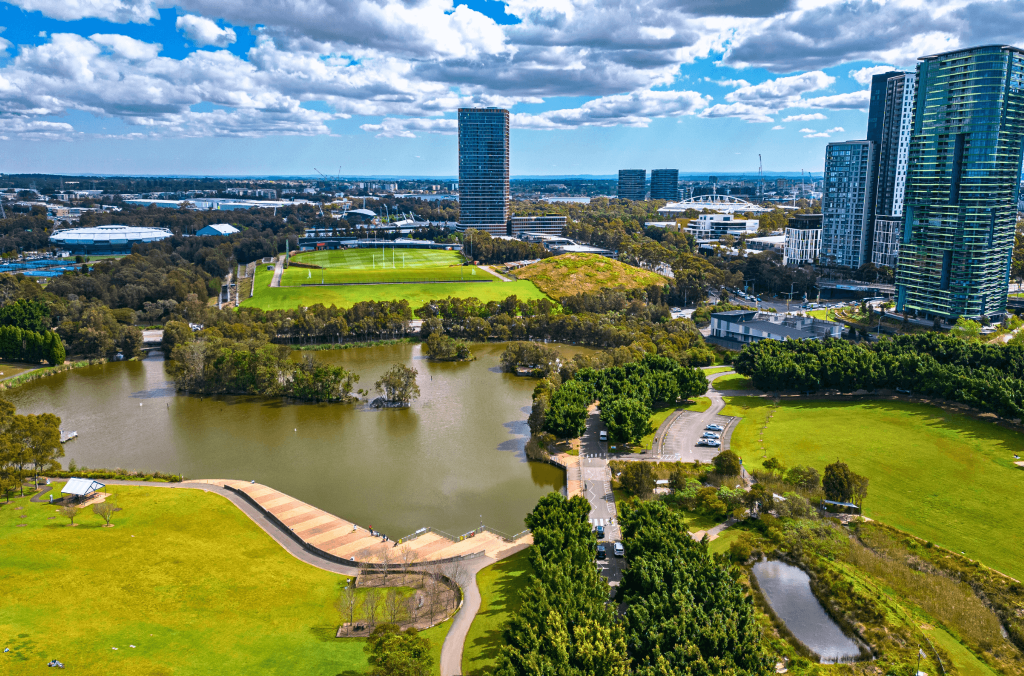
204	32
805	117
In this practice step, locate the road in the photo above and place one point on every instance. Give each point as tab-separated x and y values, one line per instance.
597	478
278	271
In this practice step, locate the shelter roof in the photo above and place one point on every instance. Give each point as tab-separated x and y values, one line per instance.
81	487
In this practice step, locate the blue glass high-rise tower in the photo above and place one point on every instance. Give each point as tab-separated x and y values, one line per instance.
963	183
483	169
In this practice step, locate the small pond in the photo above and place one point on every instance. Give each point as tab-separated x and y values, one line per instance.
788	591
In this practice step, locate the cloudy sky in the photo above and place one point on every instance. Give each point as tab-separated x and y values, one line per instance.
237	87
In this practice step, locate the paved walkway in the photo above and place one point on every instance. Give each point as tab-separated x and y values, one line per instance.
455	641
494	272
278	271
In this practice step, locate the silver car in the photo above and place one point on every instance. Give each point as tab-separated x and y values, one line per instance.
710	435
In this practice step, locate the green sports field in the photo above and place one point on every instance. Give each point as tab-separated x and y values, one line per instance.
355	266
940	475
286	298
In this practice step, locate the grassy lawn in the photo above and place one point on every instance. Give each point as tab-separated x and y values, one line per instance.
570	274
939	475
9	369
721	544
716	369
499	593
373	265
184	576
733	382
284	298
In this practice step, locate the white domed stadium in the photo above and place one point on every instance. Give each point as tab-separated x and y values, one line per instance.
106	239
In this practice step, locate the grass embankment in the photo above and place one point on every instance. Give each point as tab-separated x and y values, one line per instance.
286	298
733	382
499	584
27	376
569	274
184	576
10	369
352	266
716	369
939	475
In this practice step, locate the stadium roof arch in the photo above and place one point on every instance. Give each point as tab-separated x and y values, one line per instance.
728	204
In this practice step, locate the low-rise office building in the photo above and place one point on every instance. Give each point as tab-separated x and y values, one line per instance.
750	326
217	230
710	227
551	224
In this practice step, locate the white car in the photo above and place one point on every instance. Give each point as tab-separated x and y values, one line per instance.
603	436
714	443
714	428
619	549
710	435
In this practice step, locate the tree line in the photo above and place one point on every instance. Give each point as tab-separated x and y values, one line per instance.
211	364
26	441
987	377
684	612
627	394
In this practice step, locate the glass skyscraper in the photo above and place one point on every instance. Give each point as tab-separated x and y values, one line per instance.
893	156
665	184
963	183
483	169
847	200
632	184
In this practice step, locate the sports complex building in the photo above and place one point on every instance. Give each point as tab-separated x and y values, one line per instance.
106	239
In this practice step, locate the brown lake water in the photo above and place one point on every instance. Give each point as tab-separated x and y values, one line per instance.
452	459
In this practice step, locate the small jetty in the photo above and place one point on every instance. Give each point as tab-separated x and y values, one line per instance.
65	437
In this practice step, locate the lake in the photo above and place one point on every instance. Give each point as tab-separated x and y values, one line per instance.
452	459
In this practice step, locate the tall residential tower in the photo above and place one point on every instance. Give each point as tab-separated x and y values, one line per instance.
483	169
894	148
847	199
963	184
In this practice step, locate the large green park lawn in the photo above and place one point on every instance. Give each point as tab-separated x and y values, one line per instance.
184	576
499	584
733	382
939	475
285	298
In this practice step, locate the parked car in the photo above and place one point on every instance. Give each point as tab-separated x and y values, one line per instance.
601	553
603	436
710	435
599	532
619	550
714	428
714	443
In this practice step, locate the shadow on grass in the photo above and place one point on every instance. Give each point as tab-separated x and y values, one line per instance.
502	600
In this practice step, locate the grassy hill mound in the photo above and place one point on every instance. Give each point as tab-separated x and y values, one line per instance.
573	273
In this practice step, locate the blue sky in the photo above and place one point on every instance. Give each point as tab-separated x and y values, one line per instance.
241	87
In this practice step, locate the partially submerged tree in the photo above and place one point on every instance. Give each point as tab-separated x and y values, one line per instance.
398	385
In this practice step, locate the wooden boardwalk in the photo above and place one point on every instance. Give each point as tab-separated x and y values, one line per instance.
347	540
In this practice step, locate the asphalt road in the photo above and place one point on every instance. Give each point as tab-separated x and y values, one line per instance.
684	429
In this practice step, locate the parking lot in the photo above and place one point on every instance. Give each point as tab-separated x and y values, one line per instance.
685	430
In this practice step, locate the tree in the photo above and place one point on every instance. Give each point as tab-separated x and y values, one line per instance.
44	447
966	328
759	499
393	652
441	347
692	382
371	599
638	479
627	419
392	606
838	482
567	416
398	385
859	488
804	477
346	604
105	510
69	511
775	466
727	463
